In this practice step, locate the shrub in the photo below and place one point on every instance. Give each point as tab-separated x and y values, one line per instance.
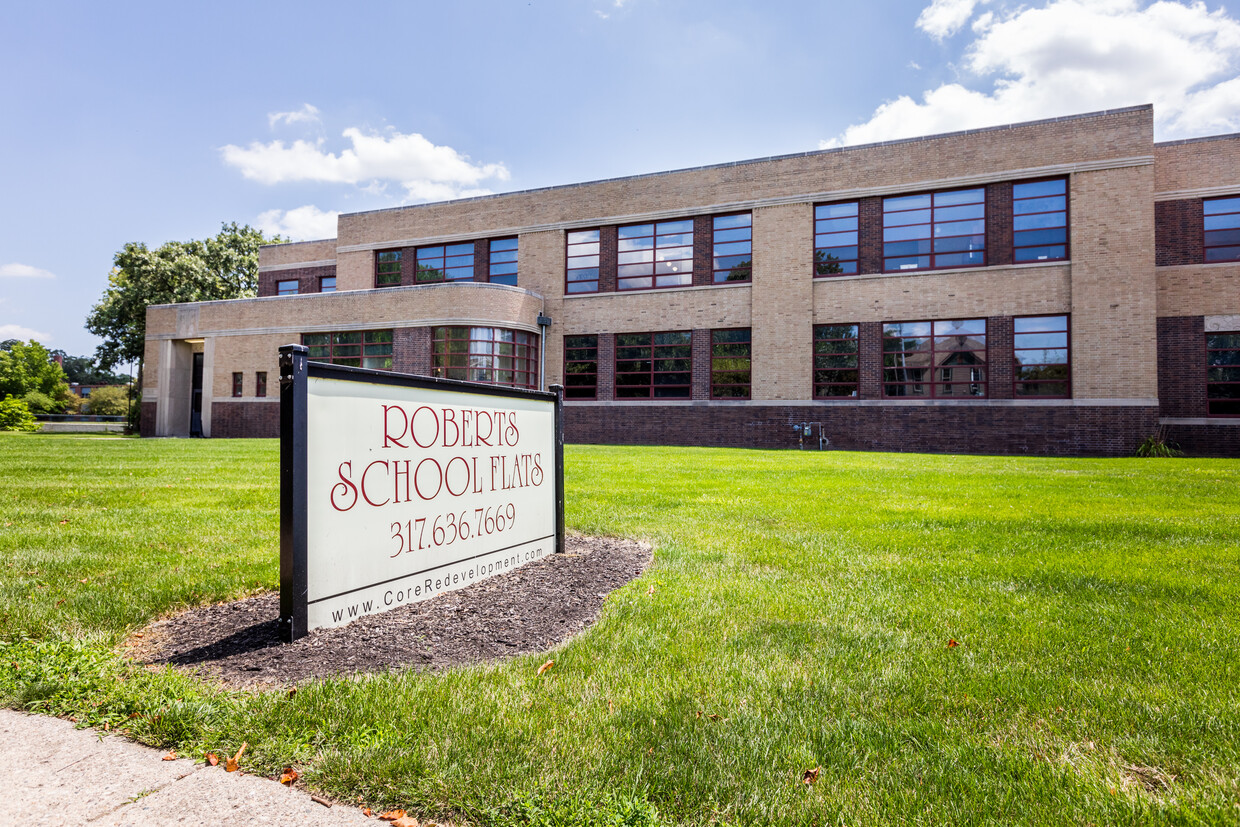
16	416
111	400
1156	445
40	403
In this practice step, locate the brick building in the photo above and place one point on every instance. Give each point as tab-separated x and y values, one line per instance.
1064	286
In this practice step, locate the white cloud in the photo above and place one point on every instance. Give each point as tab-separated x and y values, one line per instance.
16	331
425	170
1074	56
24	271
307	114
300	224
943	18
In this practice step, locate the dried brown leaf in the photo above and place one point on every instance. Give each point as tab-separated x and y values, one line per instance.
407	821
392	815
289	776
212	759
951	643
546	666
234	763
171	756
810	777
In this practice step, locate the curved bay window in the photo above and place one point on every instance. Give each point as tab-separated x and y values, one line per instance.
941	360
490	355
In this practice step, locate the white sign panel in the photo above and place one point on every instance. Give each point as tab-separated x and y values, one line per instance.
415	490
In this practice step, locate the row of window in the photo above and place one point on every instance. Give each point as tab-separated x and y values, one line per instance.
449	262
260	383
291	287
929	360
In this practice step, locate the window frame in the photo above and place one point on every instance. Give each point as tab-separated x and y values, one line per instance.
569	244
1067	220
593	387
361	356
238	385
1205	231
814	368
282	287
932	238
747	385
493	368
686	386
323	288
931	377
491	251
856	217
654	275
260	384
715	244
1208	382
384	274
1016	366
443	257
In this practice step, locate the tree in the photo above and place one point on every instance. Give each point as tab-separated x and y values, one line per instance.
110	401
223	267
15	416
83	371
29	367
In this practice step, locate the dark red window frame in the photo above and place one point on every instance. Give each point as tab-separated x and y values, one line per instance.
836	233
837	361
581	258
327	284
1223	373
663	361
288	287
260	383
354	348
1221	229
238	384
444	262
666	238
490	355
387	268
581	366
732	248
929	341
903	215
731	363
1036	222
502	265
1042	366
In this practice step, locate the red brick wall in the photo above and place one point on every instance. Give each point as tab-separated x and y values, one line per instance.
1178	232
411	350
999	223
307	278
1182	366
870	235
245	419
608	242
703	250
147	426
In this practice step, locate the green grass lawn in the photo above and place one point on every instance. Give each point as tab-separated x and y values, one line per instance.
801	614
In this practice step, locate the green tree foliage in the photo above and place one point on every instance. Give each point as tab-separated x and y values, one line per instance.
223	267
84	371
110	401
29	367
15	416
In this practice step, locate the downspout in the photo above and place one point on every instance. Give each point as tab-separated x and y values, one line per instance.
544	322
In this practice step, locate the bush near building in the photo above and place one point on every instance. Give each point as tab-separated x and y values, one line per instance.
112	400
15	415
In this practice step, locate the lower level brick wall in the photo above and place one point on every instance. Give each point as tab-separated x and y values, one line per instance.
1055	430
1182	365
146	426
1221	440
245	419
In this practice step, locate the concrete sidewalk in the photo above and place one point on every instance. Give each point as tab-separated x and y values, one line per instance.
53	774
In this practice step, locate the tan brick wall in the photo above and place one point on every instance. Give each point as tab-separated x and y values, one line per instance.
782	313
1004	291
247	354
1114	331
1115	135
1199	290
297	252
1197	165
355	271
541	259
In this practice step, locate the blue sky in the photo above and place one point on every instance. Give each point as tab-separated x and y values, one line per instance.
158	121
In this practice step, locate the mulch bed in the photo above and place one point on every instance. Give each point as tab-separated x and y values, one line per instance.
530	609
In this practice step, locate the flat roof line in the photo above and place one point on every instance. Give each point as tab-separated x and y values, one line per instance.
1231	136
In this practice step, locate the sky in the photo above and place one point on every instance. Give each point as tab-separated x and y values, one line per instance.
153	122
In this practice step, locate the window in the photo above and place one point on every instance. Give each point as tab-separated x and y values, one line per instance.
580	367
654	365
491	355
354	348
1040	220
582	273
260	383
944	359
934	230
503	267
445	262
1222	229
655	255
836	361
387	268
733	247
286	288
327	284
835	239
238	384
1223	374
730	363
1041	349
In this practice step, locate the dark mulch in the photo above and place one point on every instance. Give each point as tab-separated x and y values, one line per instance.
530	609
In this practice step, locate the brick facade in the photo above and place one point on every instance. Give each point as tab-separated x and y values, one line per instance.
1178	231
1182	366
232	419
308	279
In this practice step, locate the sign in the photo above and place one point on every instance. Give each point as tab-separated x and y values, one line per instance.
396	488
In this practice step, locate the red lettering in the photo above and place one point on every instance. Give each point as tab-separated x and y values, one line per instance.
514	436
365	496
413	423
483	440
447	476
537	476
397	473
417	474
388	439
467	421
344	486
449	418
